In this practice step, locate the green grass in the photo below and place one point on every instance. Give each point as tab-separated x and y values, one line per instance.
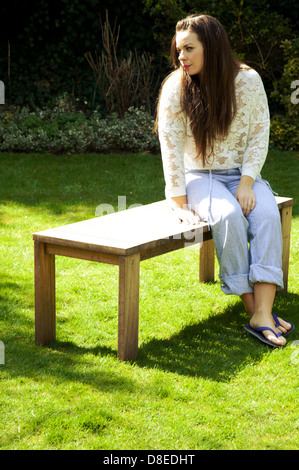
200	382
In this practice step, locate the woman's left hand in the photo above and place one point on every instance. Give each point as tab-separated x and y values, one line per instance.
245	195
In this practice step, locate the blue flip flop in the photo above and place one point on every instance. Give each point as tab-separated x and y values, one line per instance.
277	323
257	333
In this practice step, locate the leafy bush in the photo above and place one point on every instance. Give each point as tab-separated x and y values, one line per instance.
65	129
284	133
285	124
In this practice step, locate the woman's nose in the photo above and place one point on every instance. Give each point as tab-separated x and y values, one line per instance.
181	55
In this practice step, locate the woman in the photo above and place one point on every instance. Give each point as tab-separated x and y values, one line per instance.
213	125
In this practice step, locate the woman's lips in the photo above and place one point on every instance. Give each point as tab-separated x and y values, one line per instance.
186	67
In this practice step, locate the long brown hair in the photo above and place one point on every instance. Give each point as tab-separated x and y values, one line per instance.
208	99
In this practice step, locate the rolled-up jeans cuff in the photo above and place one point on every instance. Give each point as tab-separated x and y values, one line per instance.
235	285
269	274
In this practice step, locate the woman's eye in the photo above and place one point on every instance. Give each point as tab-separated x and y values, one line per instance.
188	49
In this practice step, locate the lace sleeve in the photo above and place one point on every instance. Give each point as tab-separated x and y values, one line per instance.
172	134
258	135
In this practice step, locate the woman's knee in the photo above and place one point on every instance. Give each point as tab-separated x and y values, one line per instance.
266	213
231	215
266	208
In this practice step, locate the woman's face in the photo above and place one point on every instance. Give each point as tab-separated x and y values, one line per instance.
190	52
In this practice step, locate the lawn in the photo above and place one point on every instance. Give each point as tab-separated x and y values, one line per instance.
200	382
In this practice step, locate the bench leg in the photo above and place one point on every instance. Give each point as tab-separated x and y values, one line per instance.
207	261
128	307
44	278
286	218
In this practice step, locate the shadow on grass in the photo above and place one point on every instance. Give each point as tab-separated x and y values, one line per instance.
56	184
215	348
60	361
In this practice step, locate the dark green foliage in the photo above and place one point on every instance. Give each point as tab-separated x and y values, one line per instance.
63	129
43	46
48	40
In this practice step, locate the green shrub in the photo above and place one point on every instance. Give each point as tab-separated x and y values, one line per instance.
63	129
284	133
285	126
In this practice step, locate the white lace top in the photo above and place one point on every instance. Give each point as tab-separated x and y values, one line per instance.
246	145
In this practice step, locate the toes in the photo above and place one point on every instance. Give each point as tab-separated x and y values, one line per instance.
282	329
270	336
281	340
284	326
274	339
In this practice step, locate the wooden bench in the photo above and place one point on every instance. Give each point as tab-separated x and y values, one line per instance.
125	238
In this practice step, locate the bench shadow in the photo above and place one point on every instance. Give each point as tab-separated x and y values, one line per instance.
215	348
59	361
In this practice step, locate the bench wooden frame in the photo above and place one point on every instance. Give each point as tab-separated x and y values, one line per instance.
125	239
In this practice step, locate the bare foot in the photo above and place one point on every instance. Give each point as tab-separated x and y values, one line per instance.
284	325
248	301
260	320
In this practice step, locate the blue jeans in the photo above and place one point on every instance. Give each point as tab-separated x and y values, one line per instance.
249	249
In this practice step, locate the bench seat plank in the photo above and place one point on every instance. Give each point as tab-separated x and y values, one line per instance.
124	233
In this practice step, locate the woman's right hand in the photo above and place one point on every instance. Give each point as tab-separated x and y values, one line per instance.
187	216
183	212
